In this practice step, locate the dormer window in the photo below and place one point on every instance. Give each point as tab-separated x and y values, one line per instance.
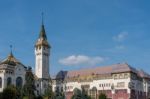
39	47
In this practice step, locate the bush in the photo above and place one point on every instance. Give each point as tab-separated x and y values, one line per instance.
102	96
9	93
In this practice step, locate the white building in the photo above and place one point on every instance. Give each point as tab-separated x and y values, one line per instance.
12	72
119	81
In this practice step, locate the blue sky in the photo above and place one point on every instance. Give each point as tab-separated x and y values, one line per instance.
82	33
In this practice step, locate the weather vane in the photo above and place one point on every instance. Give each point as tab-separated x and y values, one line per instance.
11	49
42	18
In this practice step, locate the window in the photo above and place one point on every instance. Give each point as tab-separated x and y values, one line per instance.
120	84
19	82
126	75
121	76
8	81
45	85
115	76
99	85
62	89
44	48
37	85
94	93
0	82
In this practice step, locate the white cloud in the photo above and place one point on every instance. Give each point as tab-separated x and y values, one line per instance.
80	60
120	37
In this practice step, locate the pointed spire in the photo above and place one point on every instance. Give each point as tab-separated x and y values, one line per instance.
42	18
42	32
11	54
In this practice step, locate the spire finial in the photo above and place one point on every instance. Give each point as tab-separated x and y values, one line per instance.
42	18
11	50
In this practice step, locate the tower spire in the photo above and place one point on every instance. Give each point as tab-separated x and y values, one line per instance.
42	18
42	32
11	54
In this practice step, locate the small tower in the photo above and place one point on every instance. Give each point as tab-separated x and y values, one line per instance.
42	53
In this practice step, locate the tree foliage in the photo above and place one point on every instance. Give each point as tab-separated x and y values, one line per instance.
78	94
48	93
59	95
9	92
29	87
102	96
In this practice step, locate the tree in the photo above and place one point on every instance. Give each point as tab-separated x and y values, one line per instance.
48	93
29	87
85	95
102	96
9	92
78	94
59	94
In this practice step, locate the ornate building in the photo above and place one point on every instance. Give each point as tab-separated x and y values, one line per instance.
119	81
12	72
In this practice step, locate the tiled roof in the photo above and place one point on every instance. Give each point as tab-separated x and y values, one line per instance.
143	74
11	60
106	70
116	68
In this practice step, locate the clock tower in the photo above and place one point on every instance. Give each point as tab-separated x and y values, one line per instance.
42	53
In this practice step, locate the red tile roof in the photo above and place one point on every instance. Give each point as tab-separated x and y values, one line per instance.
116	68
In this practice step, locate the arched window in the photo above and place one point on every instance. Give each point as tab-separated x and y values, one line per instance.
94	93
19	82
8	81
0	82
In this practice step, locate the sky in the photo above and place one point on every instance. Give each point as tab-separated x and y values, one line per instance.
83	33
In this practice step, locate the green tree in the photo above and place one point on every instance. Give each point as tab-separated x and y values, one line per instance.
59	95
102	96
85	95
48	93
9	92
29	87
78	94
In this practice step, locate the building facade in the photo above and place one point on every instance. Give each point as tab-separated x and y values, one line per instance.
119	81
12	72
